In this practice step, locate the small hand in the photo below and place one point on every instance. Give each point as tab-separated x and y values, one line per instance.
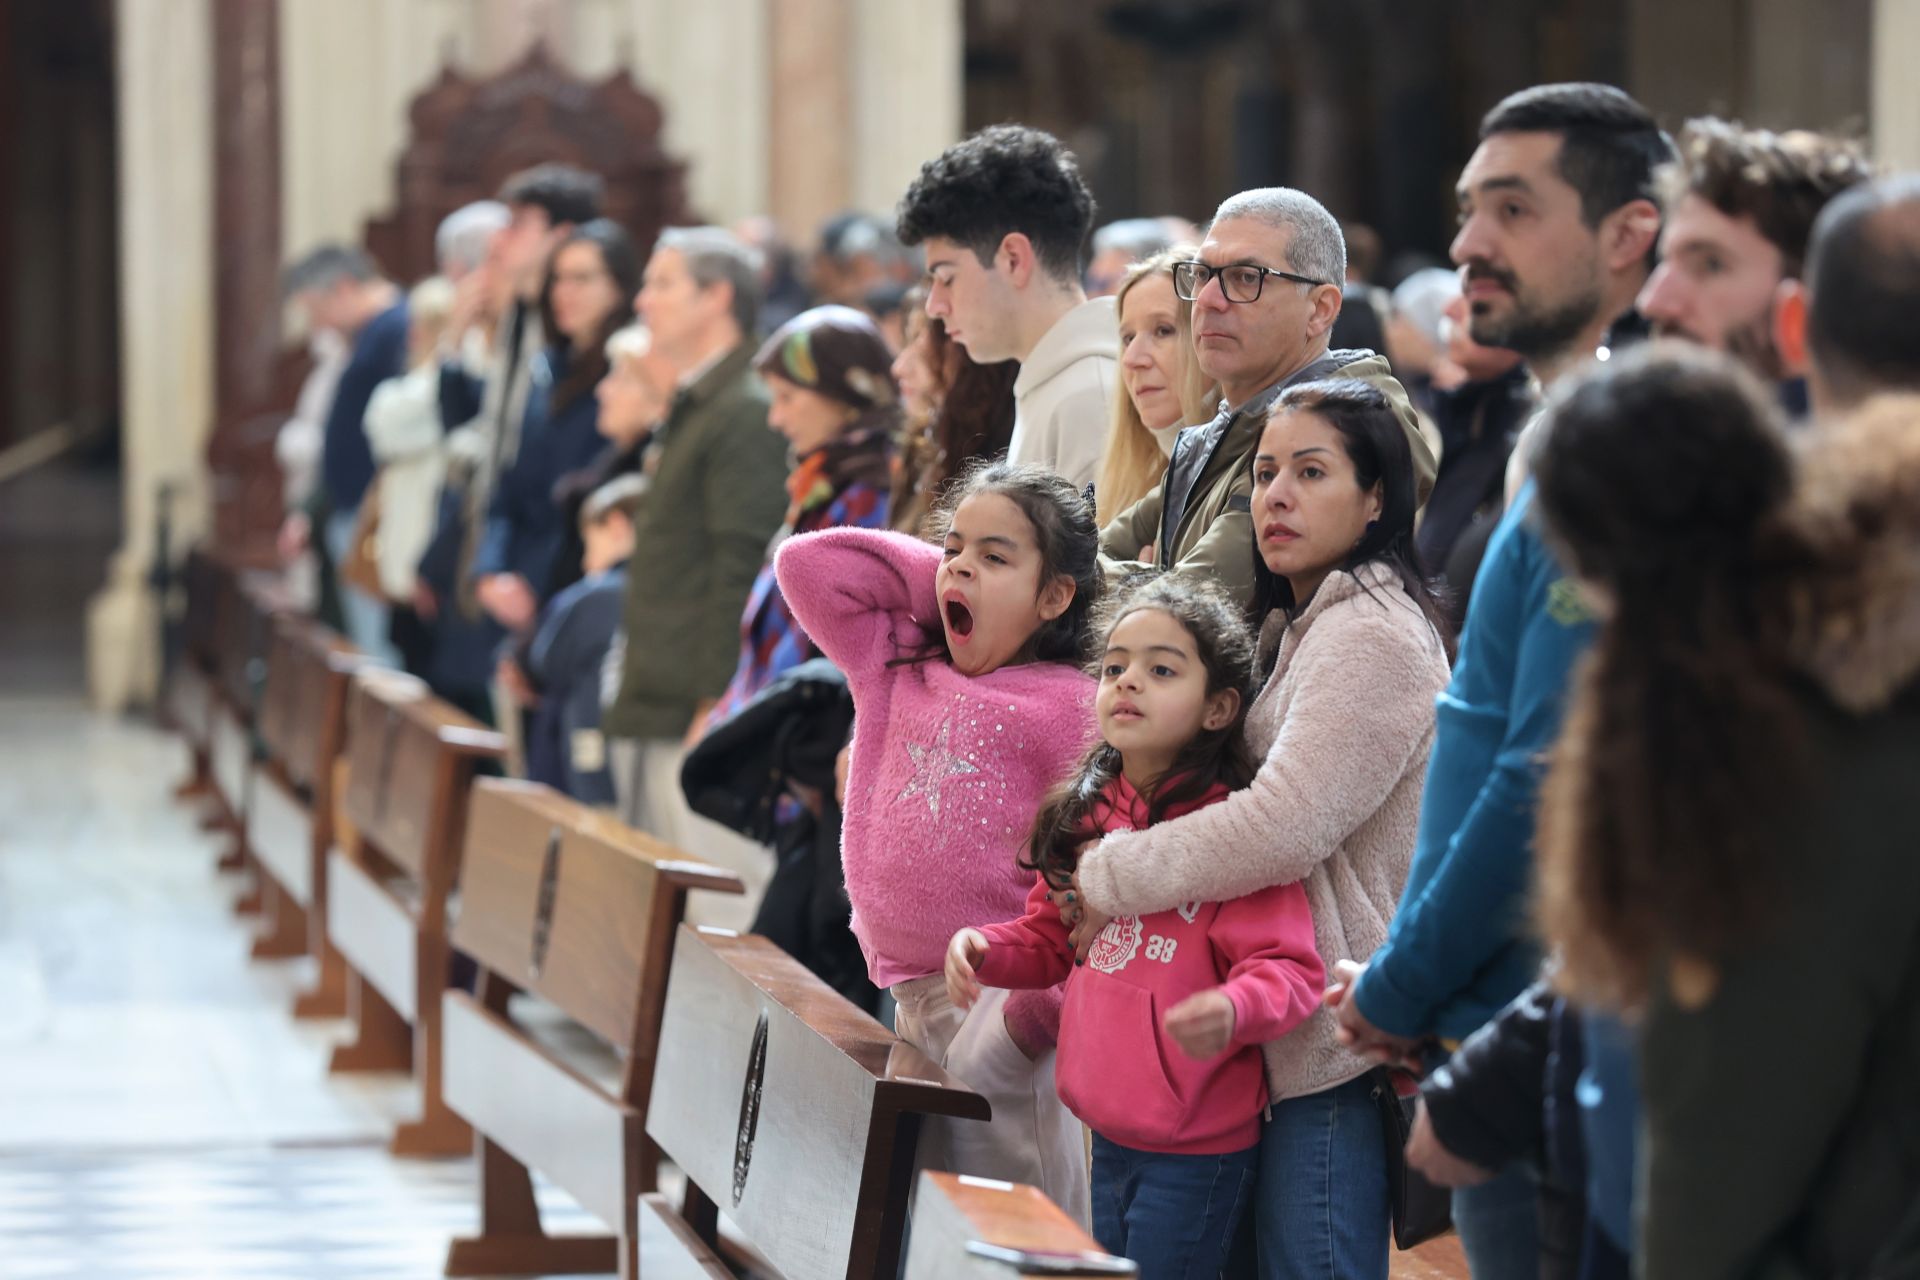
1441	1166
963	954
698	726
1202	1024
295	532
508	600
1148	552
425	603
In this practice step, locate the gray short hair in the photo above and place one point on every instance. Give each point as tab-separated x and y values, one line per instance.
460	242
715	256
1136	237
321	268
1316	247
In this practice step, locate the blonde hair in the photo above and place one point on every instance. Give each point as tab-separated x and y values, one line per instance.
429	306
1133	462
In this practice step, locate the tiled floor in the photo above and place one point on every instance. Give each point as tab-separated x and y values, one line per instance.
160	1114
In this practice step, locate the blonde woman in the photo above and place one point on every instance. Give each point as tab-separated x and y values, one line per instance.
1161	386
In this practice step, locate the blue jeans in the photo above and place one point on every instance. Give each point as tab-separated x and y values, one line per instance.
1173	1215
1499	1225
365	617
1322	1211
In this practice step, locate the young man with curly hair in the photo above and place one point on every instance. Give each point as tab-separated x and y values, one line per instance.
1003	219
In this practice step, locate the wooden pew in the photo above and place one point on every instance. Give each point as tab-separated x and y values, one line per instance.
788	1108
952	1214
411	764
302	728
246	606
189	696
564	903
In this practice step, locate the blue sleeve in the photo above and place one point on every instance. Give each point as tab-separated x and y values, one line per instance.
495	552
575	630
460	396
346	463
1473	904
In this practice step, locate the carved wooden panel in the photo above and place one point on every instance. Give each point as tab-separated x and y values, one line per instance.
469	136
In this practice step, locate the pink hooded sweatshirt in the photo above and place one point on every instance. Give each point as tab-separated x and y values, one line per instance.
947	771
1118	1069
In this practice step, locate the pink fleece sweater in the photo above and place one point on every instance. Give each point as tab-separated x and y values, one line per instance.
1118	1069
947	771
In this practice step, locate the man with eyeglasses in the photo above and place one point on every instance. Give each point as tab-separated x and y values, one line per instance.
1265	289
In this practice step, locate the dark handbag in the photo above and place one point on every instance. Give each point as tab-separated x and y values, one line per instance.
1421	1210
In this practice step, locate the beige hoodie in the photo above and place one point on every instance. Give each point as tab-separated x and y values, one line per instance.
1063	398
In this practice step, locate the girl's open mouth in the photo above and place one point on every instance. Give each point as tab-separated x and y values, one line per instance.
959	619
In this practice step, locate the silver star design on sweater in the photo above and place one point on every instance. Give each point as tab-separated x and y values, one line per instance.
932	766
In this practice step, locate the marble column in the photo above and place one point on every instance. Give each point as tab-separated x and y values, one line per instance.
811	144
1896	90
164	67
908	93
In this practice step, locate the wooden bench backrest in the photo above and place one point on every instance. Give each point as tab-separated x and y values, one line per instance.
303	706
560	900
793	1111
409	754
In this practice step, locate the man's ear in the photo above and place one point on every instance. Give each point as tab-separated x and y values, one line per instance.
1016	256
1056	597
1222	707
1326	308
1790	325
1629	234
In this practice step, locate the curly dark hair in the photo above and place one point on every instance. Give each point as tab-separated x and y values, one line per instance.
1003	180
561	191
1662	478
1376	444
1610	145
1224	644
1068	542
1778	181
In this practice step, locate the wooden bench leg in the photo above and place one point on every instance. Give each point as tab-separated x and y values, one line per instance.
328	998
439	1131
196	784
511	1241
253	901
285	937
382	1039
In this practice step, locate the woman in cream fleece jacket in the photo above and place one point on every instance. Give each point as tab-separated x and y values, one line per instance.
1342	727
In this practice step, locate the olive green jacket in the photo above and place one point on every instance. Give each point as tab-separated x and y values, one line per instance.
1210	475
716	494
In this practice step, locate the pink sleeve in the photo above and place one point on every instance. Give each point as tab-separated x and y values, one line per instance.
1031	952
1276	976
863	595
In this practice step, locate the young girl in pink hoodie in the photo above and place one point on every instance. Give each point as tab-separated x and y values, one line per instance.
969	702
1160	1038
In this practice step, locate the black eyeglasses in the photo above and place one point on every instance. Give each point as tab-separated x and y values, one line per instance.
1239	281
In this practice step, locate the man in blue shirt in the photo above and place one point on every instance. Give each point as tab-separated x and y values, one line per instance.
1557	231
339	288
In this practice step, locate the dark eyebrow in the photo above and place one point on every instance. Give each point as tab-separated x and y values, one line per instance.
1173	649
1312	448
992	538
1506	182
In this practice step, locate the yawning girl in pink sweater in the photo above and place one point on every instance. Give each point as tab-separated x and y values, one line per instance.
969	703
1160	1038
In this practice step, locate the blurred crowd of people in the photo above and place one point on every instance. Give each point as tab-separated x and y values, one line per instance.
1506	679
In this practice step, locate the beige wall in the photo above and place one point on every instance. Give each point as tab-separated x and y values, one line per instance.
1896	85
165	75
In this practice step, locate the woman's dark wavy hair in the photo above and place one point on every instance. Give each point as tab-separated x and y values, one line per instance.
1224	644
1069	545
587	364
972	417
1662	478
1376	444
